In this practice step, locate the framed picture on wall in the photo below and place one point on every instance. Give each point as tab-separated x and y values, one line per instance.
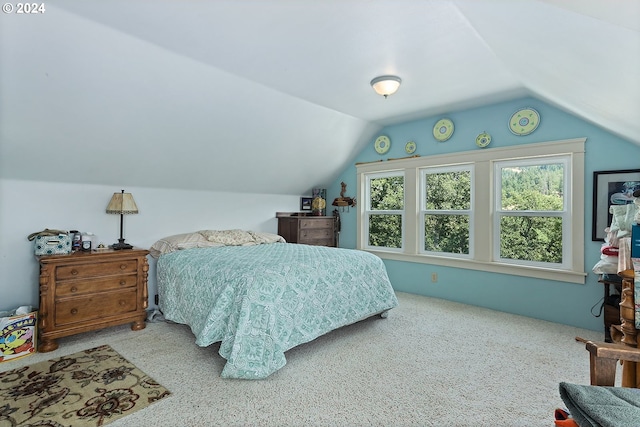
305	203
611	188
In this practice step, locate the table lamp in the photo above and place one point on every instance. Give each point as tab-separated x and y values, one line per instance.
121	204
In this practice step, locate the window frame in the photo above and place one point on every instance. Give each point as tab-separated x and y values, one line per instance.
424	211
564	214
483	209
369	211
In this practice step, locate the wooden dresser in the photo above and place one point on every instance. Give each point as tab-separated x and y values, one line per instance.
308	230
84	291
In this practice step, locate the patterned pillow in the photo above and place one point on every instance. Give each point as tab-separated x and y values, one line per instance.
228	237
261	238
178	242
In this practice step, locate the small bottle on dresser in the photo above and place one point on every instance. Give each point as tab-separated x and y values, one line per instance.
76	240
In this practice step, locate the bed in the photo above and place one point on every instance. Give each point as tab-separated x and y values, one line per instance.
263	297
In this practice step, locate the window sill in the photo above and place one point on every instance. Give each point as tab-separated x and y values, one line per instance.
491	267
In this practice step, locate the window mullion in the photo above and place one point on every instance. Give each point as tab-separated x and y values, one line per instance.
482	208
411	219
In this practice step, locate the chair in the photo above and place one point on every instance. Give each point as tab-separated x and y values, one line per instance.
614	405
608	404
604	357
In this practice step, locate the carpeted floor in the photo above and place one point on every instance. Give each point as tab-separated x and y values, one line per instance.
430	363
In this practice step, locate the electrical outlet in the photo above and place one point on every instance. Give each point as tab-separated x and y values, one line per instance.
434	277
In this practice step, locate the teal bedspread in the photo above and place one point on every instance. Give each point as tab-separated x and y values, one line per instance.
260	301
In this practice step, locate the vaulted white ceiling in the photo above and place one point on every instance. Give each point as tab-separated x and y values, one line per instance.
273	95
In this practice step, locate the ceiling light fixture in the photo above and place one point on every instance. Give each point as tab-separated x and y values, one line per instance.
386	85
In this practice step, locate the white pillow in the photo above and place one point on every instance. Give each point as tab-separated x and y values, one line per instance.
211	238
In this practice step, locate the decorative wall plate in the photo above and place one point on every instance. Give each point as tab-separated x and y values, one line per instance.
382	144
443	130
483	140
524	121
410	147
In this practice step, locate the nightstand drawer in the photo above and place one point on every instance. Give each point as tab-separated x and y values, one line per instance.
78	310
78	271
80	287
316	223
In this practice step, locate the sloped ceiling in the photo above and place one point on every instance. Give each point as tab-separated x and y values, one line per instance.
273	95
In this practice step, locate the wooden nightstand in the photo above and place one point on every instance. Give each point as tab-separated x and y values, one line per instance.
84	291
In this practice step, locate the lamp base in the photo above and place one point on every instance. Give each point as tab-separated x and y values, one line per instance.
121	245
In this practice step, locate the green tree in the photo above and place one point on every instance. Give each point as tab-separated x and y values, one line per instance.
523	236
447	231
387	194
536	189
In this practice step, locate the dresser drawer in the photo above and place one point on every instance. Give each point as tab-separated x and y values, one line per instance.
96	306
78	271
308	230
314	234
316	223
319	242
79	287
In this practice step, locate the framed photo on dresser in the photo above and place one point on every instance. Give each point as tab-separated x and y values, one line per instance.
610	188
305	203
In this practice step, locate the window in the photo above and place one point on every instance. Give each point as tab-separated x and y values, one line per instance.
531	211
515	210
385	210
446	210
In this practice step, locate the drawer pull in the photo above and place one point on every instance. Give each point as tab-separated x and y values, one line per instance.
123	303
123	282
74	272
74	289
74	311
123	266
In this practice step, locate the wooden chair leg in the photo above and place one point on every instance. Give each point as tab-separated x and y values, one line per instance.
603	371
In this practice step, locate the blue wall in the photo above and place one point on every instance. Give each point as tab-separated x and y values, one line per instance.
561	302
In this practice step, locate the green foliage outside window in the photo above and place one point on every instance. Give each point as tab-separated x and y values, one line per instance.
536	189
386	194
385	231
531	238
446	233
448	191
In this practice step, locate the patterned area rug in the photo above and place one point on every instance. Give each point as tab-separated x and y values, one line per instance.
90	388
